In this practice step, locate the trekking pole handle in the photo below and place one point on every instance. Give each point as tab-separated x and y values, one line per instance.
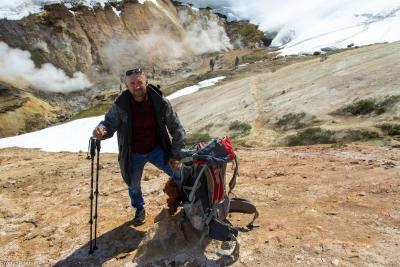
98	145
92	147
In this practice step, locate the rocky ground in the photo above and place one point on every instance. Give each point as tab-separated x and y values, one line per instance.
324	205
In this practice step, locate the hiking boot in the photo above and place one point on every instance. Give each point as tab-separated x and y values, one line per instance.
140	217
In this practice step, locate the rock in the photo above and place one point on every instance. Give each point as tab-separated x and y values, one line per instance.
299	258
335	262
327	49
331	213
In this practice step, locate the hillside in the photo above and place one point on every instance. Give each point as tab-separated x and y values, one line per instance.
352	95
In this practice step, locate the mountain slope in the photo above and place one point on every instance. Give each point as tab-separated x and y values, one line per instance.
319	87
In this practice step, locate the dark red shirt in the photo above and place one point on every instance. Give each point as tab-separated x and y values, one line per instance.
144	126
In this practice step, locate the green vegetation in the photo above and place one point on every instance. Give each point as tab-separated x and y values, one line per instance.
368	106
291	121
201	135
358	135
390	129
313	136
361	107
246	32
389	102
207	127
197	137
97	110
239	129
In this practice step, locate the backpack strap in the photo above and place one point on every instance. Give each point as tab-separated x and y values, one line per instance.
196	184
242	205
232	182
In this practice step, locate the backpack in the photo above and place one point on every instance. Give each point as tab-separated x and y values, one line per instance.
205	199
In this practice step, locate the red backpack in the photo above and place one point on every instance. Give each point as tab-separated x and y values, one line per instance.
206	201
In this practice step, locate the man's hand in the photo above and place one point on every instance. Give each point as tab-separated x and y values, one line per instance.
99	133
174	164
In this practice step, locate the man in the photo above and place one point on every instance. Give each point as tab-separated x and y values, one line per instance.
236	62
143	120
212	64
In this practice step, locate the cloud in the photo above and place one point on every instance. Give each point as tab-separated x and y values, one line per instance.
16	66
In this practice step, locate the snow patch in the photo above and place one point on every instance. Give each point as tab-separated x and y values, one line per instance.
17	9
74	136
194	88
117	12
153	1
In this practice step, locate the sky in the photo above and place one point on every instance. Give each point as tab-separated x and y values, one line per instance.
74	136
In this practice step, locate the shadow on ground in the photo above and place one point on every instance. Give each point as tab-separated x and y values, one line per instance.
122	239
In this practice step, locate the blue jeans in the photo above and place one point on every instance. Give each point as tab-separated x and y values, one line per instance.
137	162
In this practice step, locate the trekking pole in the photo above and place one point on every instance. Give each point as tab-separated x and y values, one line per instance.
91	154
96	192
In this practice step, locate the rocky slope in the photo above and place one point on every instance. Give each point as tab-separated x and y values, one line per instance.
169	41
107	40
21	111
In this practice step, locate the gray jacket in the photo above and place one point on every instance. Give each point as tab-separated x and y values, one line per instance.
119	119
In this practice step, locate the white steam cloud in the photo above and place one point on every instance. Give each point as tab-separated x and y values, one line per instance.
203	34
198	34
16	66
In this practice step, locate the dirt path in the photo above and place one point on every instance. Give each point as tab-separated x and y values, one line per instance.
260	133
319	206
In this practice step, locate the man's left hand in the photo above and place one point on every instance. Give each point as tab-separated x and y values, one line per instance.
174	164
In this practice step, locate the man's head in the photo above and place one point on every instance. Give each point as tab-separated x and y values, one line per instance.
136	82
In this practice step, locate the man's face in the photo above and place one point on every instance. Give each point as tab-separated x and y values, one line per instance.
137	84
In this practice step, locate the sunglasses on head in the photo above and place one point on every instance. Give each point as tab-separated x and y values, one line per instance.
134	71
